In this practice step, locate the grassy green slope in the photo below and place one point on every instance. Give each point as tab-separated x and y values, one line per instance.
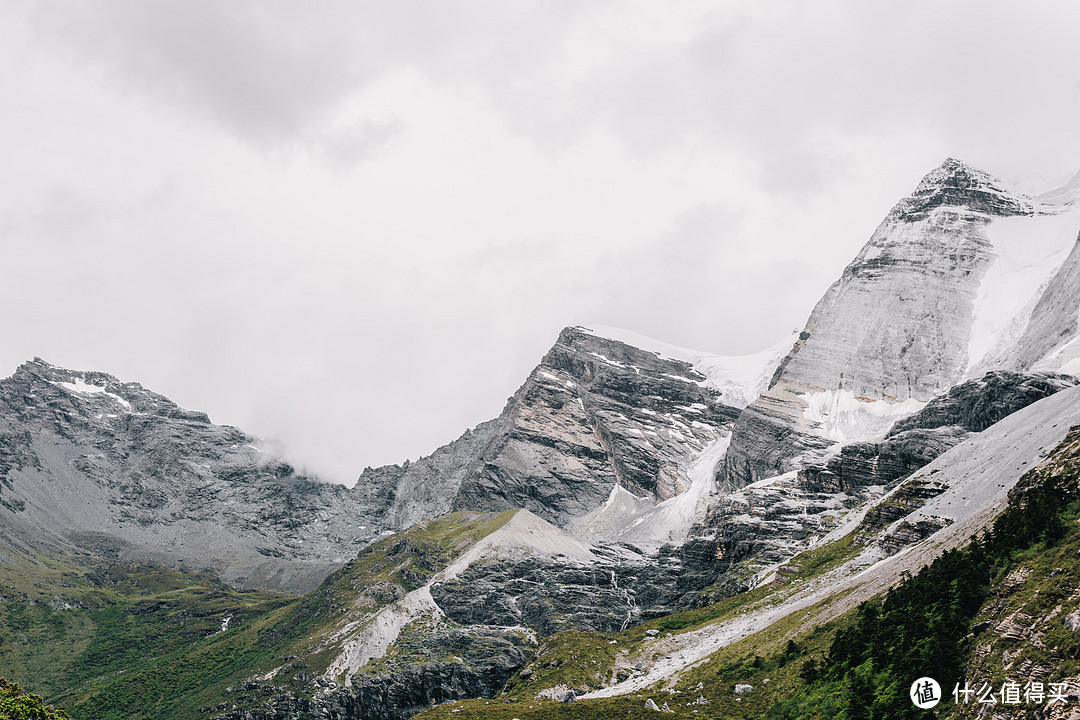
72	627
576	659
110	641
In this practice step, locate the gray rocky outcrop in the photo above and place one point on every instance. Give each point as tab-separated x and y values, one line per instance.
593	413
549	596
449	666
92	464
915	441
754	527
763	525
977	404
884	463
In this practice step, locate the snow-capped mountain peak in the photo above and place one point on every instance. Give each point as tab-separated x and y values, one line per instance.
956	184
965	275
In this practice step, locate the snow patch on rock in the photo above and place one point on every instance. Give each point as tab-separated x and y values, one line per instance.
625	517
844	417
738	378
84	388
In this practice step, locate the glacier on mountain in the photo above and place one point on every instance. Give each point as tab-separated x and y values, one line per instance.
964	276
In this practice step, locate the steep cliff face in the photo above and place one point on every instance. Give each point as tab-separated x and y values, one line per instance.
91	463
448	609
770	520
425	489
878	431
596	413
606	412
946	420
963	276
895	325
977	404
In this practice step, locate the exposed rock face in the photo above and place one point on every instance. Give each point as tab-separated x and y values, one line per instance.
425	489
451	665
89	462
595	413
549	596
768	439
895	324
766	523
978	404
936	294
772	519
945	421
861	465
971	407
907	498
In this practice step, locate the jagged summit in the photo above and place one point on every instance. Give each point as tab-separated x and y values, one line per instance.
613	445
107	394
607	418
958	185
964	276
91	464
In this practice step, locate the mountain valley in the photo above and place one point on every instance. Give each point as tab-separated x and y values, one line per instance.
644	528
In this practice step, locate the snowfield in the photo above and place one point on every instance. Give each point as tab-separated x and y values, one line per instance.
844	417
1028	251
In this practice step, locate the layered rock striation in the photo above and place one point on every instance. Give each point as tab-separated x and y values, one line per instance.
594	414
963	276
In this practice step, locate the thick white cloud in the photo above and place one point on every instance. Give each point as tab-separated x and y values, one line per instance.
356	228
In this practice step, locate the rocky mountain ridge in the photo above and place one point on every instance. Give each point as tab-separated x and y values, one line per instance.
91	464
597	419
627	484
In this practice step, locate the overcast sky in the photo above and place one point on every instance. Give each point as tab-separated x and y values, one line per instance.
355	229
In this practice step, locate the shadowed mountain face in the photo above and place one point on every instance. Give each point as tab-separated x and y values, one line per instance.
93	464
